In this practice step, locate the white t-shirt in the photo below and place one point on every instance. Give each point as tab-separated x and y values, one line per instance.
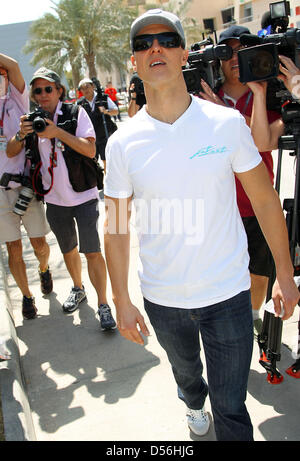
110	104
193	246
11	108
62	193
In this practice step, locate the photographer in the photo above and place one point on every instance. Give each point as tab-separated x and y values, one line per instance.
99	114
14	102
112	94
58	146
252	105
136	96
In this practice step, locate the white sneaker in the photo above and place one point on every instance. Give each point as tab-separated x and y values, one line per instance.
198	421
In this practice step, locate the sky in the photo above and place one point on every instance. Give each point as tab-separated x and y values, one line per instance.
12	11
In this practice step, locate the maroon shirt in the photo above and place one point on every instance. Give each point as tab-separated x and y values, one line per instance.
244	106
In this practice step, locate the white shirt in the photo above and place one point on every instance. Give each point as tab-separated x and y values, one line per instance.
110	104
193	246
12	107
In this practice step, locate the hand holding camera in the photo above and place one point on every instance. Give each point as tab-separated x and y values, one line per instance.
290	75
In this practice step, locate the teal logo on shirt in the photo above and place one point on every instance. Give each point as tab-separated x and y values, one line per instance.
209	150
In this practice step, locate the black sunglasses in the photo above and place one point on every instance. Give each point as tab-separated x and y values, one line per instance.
165	39
38	90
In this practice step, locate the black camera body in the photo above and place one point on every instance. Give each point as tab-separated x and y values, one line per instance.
259	60
204	63
258	63
138	85
37	117
100	100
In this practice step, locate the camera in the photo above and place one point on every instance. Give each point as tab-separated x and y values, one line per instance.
203	63
259	60
138	85
24	198
99	101
37	117
26	193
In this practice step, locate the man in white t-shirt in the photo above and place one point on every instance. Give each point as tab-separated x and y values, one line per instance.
14	102
176	160
65	205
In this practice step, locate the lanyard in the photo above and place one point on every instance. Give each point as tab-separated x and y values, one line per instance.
1	119
246	103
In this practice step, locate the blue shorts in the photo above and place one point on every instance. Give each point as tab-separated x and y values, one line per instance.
62	222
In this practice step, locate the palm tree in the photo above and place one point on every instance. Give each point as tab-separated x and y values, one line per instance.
190	25
82	33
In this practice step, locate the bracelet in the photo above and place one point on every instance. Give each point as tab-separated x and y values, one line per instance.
133	99
18	137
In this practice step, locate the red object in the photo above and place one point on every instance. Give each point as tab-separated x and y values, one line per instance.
273	379
293	372
112	93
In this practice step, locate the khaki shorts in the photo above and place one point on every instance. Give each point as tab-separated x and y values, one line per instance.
34	219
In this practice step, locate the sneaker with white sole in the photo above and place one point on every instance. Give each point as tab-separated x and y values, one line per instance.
106	319
76	296
198	421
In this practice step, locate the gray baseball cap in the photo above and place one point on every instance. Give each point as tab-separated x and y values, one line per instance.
46	74
157	16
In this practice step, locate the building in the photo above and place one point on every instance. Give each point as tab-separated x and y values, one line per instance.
13	38
220	14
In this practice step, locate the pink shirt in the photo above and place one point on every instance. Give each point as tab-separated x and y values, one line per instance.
62	193
15	105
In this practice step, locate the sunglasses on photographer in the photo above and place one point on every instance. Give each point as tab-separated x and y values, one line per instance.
39	90
165	39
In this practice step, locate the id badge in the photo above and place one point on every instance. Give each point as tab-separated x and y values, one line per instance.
3	143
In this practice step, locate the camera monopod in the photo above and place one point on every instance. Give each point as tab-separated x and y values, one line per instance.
99	100
269	340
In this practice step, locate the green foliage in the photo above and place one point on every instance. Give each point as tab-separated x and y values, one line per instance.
82	34
192	28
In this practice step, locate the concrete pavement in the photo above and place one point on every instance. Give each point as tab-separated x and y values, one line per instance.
68	380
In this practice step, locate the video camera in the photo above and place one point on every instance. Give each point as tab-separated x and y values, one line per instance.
138	85
203	63
259	60
100	100
37	117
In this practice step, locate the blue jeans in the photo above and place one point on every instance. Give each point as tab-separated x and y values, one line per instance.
226	330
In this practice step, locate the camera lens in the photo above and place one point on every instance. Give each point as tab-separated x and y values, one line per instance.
262	64
25	197
39	124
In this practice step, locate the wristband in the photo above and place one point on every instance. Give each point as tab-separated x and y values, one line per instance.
133	99
18	137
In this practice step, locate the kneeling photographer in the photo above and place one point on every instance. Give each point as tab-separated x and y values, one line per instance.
17	205
66	142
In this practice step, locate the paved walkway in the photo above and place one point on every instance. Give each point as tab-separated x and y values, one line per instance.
68	380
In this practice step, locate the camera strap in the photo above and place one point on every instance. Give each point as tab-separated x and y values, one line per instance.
243	112
53	163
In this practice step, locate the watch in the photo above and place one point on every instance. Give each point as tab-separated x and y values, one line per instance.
18	137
